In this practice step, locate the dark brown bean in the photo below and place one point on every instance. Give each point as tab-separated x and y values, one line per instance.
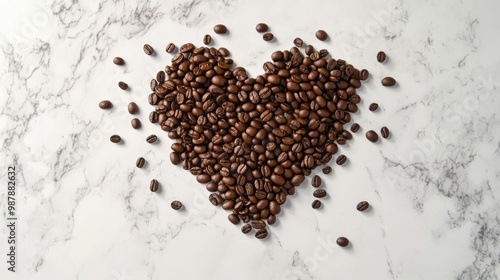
298	42
321	35
316	181
220	29
176	205
316	204
341	160
170	48
373	107
246	228
207	39
384	132
132	108
327	170
372	136
115	138
148	49
153	186
362	206
261	233
388	82
355	127
151	139
342	241
268	36
105	104
258	224
364	74
122	85
140	162
136	123
261	27
118	60
381	56
319	193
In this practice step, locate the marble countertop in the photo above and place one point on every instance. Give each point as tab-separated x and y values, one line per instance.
85	212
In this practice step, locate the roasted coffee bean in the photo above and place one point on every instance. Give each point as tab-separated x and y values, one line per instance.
153	186
258	224
233	218
388	82
341	160
309	49
115	138
384	132
268	36
105	104
342	241
153	117
261	27
170	48
118	60
122	85
381	56
151	139
215	199
220	29
372	136
298	42
186	48
261	233
316	181
355	127
327	170
140	162
132	108
373	107
316	204
319	193
176	205
362	206
246	228
364	74
148	49
321	35
207	39
136	123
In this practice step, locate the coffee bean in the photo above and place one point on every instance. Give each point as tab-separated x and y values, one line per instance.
385	132
133	108
207	39
362	206
321	35
388	82
136	123
381	56
342	241
115	138
373	107
186	48
316	181
355	127
258	224
327	170
309	49
140	162
261	27
233	218
151	139
153	186
220	29
170	48
246	228
148	49
215	199
319	193
298	42
268	36
105	104
341	160
316	204
176	205
364	74
261	233
153	117
118	60
372	136
122	85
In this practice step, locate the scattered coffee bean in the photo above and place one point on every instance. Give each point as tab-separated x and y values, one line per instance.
261	233
316	181
342	241
153	186
319	193
115	138
341	160
261	27
364	74
388	82
148	49
140	162
170	48
381	56
136	123
309	49
233	218
133	108
372	136
327	170
321	35
385	132
355	127
316	204
258	224
105	104
176	205
151	139
246	228
207	39
118	60
362	206
373	107
122	85
220	29
268	36
298	42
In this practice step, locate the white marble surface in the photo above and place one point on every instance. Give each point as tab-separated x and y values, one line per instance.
85	211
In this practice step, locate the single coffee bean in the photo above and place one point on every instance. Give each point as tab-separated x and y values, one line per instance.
342	241
316	204
355	127
105	104
115	138
298	42
261	27
327	170
362	206
388	82
385	132
381	56
372	136
316	181
233	218
153	186
140	162
309	49
268	36
215	199
261	233
220	29
373	107
136	123
246	228
122	85
133	108
258	224
207	39
151	139
321	35
319	193
118	60
153	117
148	49
176	205
364	74
341	159
170	48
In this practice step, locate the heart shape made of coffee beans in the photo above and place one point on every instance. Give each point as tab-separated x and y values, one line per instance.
253	140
